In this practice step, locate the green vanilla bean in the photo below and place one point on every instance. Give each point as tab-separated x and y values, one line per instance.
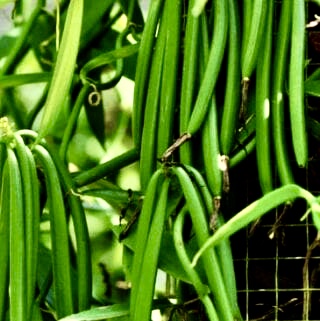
210	260
220	30
4	241
263	106
64	68
296	84
231	101
144	223
201	289
188	87
31	203
278	94
143	69
59	234
17	270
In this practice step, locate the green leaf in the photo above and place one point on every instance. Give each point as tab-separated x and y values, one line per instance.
314	128
116	197
312	88
95	20
168	258
6	45
101	313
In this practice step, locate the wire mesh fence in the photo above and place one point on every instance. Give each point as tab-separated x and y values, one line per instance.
277	260
280	273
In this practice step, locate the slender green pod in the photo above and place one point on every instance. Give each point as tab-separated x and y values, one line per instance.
250	49
211	150
210	139
190	53
296	83
32	233
257	209
232	93
84	273
223	250
169	85
31	204
204	45
225	257
277	110
148	156
143	228
255	36
201	289
84	283
83	258
59	234
263	135
246	23
201	62
18	310
64	67
210	260
213	67
4	241
149	264
143	69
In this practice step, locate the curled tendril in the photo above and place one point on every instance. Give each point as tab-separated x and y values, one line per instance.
94	98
